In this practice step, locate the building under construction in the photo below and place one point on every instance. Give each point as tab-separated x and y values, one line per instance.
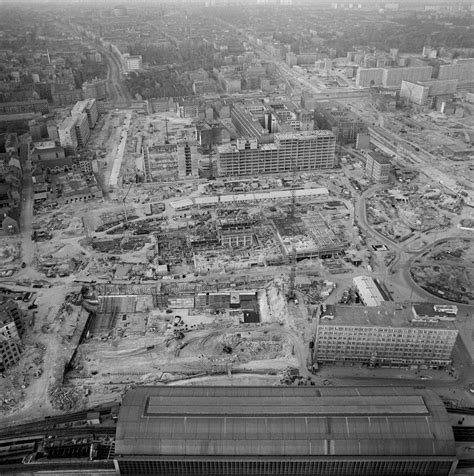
188	163
11	329
339	119
236	234
307	237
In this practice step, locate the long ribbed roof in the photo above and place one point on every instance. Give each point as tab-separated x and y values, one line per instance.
282	421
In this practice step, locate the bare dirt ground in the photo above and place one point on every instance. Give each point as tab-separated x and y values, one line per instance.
142	347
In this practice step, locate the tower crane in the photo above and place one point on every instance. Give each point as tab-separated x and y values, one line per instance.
291	286
167	140
293	190
125	207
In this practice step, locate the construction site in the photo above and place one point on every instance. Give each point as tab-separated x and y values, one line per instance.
414	210
161	333
139	147
447	270
169	280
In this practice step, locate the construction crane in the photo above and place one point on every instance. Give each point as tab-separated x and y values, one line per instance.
293	192
167	135
125	207
86	229
293	202
211	174
291	286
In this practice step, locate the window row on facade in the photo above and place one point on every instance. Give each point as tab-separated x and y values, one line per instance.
289	467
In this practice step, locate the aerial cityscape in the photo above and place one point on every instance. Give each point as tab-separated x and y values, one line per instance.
237	237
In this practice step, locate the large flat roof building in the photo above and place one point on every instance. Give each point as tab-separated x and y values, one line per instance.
392	77
420	92
340	119
308	150
204	431
389	335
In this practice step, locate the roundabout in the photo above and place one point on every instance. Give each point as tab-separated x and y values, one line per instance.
445	269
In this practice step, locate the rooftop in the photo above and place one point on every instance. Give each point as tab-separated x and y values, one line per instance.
368	291
232	147
284	421
388	314
304	134
79	107
45	145
440	311
378	157
67	123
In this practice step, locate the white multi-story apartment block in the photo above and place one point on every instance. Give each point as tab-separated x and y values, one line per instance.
83	131
387	335
89	107
67	134
308	150
392	77
377	166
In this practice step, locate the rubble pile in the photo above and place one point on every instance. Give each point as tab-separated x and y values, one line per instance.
63	398
260	348
9	400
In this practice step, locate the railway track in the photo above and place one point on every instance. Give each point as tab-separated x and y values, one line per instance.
56	466
49	423
63	443
74	431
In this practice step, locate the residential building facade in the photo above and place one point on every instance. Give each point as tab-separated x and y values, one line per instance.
187	160
89	107
309	150
96	89
68	135
83	131
387	335
377	166
19	107
11	328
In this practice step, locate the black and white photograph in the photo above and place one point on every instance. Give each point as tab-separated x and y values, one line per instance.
236	237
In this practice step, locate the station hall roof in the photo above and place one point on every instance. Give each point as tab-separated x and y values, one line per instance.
173	421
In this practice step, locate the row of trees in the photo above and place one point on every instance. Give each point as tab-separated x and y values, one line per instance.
168	81
156	84
409	34
189	55
89	70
